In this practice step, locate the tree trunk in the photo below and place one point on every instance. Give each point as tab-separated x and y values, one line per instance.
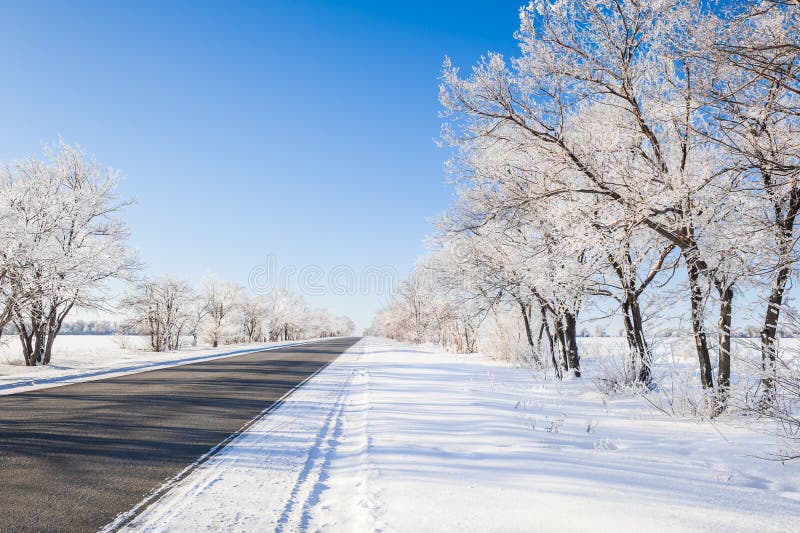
698	327
38	345
533	347
562	342
550	342
571	343
48	347
769	332
638	342
469	339
630	336
641	359
724	333
54	328
26	340
646	356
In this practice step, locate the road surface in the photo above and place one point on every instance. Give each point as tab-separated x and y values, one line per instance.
73	457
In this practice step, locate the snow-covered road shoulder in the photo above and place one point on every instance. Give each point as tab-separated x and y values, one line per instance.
395	438
271	476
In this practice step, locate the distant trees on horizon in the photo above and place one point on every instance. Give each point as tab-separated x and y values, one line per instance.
63	237
168	311
78	327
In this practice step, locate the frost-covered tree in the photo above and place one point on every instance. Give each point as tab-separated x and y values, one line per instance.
603	106
755	92
252	315
343	326
164	309
629	145
64	239
220	301
285	312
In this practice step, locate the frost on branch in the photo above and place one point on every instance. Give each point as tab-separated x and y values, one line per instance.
63	240
627	147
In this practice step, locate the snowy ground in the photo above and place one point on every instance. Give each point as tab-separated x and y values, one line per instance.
394	438
85	357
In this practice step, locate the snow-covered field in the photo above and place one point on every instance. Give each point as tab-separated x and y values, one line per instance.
396	438
85	357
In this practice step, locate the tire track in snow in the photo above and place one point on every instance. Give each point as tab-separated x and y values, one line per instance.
295	514
348	500
303	468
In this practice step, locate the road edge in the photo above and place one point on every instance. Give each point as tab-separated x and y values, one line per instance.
30	385
128	516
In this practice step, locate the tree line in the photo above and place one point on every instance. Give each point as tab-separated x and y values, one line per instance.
78	327
63	238
170	313
628	146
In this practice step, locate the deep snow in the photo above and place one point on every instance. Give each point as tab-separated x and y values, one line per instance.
396	438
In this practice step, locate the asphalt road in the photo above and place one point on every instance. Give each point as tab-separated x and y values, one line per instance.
73	457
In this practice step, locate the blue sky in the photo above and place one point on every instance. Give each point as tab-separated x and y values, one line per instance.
298	133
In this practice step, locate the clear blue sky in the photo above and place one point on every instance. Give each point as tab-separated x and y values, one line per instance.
299	130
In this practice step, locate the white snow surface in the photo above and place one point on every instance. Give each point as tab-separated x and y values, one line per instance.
78	358
396	438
